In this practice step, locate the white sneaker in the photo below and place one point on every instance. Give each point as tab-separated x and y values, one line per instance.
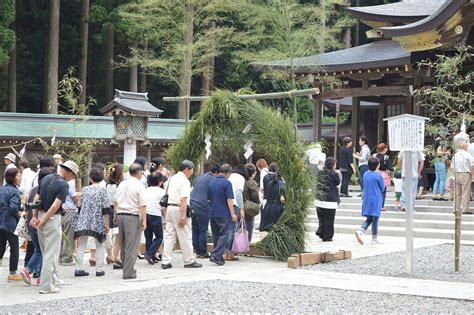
358	235
50	291
376	242
57	282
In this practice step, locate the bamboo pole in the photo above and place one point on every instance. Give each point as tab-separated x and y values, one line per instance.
264	96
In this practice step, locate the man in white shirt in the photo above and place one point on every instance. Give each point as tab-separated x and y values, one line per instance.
462	163
177	223
130	216
417	163
9	160
27	178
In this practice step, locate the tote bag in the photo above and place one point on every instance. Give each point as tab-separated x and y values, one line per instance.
241	238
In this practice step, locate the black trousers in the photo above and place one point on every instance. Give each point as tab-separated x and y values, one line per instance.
326	223
346	178
12	240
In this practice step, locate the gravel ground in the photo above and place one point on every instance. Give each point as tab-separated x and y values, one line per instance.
433	262
217	297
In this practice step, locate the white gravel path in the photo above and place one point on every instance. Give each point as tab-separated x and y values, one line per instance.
219	297
432	262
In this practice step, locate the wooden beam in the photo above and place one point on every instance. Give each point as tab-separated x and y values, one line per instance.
366	76
370	91
264	96
317	118
355	123
380	125
336	131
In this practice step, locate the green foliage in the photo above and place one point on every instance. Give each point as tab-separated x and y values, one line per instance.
224	116
78	150
449	101
7	36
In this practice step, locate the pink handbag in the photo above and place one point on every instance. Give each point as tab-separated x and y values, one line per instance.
241	238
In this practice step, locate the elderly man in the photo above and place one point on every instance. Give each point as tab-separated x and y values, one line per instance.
9	161
177	223
462	163
52	193
130	215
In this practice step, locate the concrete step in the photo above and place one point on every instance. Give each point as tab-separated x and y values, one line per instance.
418	208
425	224
390	200
396	215
398	231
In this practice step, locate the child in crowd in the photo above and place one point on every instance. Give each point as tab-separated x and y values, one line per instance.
372	201
397	183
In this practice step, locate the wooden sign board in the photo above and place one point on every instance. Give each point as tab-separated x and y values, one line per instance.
406	132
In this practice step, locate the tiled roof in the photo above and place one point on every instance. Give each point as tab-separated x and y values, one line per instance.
22	125
381	54
436	19
406	11
131	102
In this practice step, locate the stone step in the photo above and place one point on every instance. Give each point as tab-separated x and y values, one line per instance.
396	215
390	200
395	222
398	231
418	208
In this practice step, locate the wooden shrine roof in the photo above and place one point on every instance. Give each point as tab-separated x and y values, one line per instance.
453	9
131	103
381	54
406	11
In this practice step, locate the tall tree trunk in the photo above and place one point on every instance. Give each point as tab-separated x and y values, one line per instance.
185	84
109	65
51	105
12	82
4	87
143	72
323	26
207	80
134	72
357	27
85	41
346	33
12	78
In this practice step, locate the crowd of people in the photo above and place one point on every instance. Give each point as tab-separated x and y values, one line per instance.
453	170
109	216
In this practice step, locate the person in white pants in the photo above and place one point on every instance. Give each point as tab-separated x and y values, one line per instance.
52	193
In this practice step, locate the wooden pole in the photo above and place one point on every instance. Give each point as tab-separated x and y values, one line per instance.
336	131
457	224
264	96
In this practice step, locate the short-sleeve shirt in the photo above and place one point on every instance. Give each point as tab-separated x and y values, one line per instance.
200	189
130	196
51	187
238	183
153	196
179	187
416	157
220	190
69	203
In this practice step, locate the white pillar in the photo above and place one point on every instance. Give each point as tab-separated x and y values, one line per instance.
129	151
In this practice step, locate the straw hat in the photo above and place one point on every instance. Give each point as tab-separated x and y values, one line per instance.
70	165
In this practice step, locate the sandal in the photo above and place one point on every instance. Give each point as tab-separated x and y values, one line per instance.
92	262
109	260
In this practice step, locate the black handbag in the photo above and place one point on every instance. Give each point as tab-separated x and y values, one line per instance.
190	212
164	199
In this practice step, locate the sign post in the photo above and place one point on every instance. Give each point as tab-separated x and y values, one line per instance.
406	133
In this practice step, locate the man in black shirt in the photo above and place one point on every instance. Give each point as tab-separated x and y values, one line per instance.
52	193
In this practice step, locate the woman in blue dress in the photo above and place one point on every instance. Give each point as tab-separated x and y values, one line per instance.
372	201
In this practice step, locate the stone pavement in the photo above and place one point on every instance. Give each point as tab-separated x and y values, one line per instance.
248	269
